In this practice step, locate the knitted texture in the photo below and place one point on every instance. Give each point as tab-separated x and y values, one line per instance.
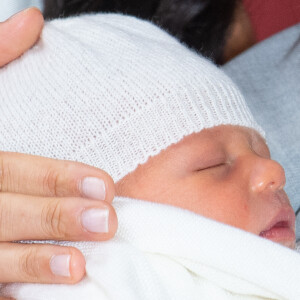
111	91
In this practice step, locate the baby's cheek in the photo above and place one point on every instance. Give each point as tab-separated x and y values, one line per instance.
230	206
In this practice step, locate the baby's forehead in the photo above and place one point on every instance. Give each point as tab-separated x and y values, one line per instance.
217	140
222	133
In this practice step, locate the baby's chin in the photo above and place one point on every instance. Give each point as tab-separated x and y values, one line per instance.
289	244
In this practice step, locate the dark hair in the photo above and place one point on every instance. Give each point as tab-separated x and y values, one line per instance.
201	24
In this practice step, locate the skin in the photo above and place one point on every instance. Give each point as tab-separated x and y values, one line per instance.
19	33
240	36
51	189
224	173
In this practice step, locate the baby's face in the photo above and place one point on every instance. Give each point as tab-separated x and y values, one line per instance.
224	173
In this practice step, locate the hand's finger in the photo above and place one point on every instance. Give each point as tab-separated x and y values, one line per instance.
73	219
40	176
40	263
19	33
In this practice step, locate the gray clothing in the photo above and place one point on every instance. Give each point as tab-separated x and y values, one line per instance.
269	76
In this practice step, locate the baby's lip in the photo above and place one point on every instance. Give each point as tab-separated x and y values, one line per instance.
281	229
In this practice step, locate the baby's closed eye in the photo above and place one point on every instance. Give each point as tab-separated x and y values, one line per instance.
211	159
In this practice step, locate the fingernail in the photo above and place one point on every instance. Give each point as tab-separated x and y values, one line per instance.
92	187
60	265
95	220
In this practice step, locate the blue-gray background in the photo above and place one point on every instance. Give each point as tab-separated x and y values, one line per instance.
10	7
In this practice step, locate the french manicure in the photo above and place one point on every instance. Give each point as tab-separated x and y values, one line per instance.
95	220
93	187
60	265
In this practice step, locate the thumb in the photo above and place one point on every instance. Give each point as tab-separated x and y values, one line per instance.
19	33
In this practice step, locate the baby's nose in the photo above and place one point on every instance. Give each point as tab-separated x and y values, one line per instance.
266	174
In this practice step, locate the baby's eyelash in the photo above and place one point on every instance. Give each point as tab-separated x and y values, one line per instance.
212	166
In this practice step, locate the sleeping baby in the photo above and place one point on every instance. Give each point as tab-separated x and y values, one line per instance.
174	132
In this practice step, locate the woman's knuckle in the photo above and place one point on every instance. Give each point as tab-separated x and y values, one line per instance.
5	172
6	217
50	182
52	221
29	263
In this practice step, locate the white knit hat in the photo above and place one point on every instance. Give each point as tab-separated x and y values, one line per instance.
111	91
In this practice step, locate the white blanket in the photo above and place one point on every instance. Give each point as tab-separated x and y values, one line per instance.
162	252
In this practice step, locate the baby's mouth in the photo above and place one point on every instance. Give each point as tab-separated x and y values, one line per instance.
282	228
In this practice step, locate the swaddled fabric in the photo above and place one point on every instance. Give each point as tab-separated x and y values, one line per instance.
165	253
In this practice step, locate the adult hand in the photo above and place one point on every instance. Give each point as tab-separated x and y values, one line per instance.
47	199
42	198
19	33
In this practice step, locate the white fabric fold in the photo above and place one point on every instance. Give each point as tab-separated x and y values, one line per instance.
163	252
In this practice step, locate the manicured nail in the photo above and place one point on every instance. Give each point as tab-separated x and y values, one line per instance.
60	265
95	220
92	187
